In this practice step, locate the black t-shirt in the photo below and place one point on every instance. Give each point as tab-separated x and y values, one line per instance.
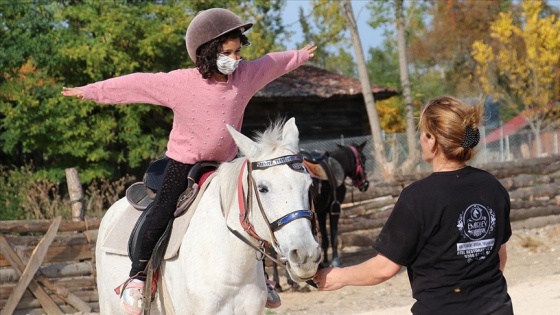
447	230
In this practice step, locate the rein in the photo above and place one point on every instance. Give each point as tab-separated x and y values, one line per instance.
245	205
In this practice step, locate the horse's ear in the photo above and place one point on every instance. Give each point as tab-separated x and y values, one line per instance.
244	143
361	146
290	135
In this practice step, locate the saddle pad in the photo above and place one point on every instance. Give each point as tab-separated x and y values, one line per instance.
116	240
338	171
318	170
315	170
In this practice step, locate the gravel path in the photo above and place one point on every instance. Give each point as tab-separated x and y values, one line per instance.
532	272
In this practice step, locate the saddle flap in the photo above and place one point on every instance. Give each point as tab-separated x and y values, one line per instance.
153	178
118	233
338	171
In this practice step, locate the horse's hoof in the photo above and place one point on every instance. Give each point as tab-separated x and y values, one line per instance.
336	262
324	264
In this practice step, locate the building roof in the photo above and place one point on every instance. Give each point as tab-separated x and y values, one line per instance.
310	81
508	128
551	117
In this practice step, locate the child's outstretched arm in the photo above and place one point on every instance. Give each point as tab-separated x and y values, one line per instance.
310	49
135	88
72	92
273	65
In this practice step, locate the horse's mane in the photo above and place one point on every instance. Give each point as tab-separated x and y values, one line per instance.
269	144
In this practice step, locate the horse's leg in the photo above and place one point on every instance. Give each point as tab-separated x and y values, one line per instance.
340	194
322	220
276	277
335	262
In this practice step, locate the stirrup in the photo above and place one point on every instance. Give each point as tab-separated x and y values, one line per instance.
272	298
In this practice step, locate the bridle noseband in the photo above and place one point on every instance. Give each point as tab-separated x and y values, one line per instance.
295	162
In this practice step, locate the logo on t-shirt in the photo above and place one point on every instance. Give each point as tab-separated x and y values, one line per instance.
476	224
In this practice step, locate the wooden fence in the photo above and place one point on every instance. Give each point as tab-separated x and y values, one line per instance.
533	185
54	260
48	266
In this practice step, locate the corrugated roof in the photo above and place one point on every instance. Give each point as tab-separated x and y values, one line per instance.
310	81
551	117
508	128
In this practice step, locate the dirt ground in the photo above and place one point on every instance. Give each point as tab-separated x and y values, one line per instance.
532	273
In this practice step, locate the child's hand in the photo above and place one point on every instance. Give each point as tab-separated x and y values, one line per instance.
72	92
310	48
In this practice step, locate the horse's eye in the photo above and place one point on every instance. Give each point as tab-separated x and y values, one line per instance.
263	189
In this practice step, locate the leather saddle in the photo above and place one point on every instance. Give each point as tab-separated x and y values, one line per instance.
321	166
141	194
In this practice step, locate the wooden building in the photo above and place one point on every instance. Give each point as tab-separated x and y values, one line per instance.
325	104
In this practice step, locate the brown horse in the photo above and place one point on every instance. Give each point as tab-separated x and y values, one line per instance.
329	192
344	162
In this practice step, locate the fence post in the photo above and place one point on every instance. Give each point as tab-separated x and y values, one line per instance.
556	142
484	148
501	142
76	194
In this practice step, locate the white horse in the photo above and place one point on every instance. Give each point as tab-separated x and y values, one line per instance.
215	271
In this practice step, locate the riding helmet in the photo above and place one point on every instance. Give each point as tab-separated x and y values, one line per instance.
211	24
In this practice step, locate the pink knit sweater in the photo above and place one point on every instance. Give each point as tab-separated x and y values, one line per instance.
201	108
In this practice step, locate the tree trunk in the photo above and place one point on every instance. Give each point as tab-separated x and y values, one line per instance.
413	157
385	168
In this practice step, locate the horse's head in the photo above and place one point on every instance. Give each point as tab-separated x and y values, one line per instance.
275	196
359	176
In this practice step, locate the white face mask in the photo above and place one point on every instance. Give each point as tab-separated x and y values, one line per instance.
226	65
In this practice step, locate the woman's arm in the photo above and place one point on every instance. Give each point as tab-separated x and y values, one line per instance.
371	272
502	253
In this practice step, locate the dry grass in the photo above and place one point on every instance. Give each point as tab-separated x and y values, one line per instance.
44	201
100	195
23	196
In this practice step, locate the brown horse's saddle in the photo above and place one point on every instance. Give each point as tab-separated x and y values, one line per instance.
321	166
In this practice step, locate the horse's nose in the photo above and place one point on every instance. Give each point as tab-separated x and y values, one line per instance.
365	186
299	256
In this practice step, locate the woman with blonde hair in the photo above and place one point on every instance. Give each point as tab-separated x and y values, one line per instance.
449	229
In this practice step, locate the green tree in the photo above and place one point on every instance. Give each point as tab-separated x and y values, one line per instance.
47	45
445	45
327	28
520	65
394	12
